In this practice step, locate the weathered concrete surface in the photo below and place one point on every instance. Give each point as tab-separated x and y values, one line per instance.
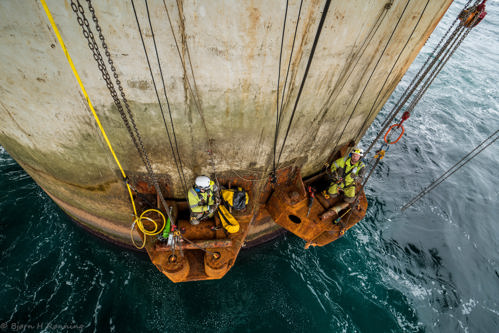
221	88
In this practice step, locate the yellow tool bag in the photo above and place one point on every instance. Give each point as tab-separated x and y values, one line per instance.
228	221
236	198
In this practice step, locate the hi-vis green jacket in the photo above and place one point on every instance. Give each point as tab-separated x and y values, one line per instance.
343	168
199	202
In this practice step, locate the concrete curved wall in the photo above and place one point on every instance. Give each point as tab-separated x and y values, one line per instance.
230	51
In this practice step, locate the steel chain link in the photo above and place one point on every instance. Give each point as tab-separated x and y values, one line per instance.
88	34
92	44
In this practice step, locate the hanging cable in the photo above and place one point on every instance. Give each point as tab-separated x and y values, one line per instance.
274	179
477	150
92	44
430	69
449	47
179	164
194	95
347	70
156	91
312	52
279	107
412	86
370	76
289	62
361	129
343	76
417	76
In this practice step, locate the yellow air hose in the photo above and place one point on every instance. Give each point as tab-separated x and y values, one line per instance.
155	231
138	219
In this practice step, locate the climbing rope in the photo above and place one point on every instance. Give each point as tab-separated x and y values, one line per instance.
362	128
309	63
175	152
280	106
193	91
370	77
138	220
468	157
274	179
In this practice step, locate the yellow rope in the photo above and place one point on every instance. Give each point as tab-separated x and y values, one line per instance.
138	220
140	225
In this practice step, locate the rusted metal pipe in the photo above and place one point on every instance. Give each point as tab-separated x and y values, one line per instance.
204	244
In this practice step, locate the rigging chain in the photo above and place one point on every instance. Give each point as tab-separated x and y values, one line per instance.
96	117
88	34
417	76
453	42
92	44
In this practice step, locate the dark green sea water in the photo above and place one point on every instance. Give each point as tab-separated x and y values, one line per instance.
433	268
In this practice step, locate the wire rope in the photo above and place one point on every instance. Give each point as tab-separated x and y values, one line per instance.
415	84
195	95
468	157
289	61
277	91
357	55
370	76
179	165
361	129
155	89
309	63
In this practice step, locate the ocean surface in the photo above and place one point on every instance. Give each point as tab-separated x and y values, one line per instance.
433	268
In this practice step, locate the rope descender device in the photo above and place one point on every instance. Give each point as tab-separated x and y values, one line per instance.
405	116
273	178
380	154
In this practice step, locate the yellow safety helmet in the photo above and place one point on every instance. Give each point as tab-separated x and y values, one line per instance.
358	151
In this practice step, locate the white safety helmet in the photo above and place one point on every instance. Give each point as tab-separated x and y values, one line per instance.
358	151
202	182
